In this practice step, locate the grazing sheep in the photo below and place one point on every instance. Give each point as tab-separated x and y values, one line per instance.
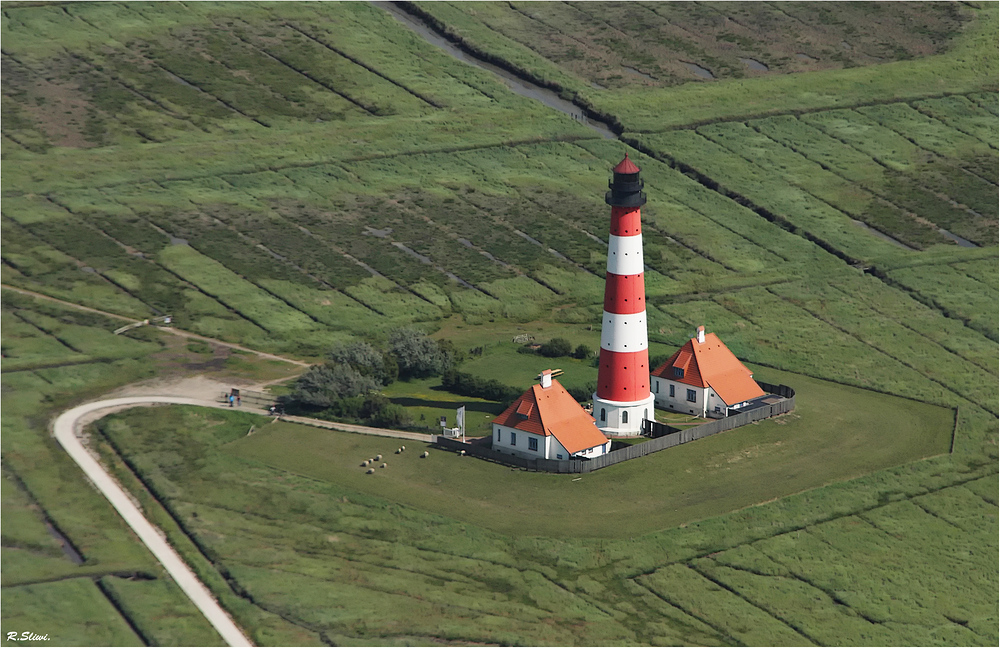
398	450
383	466
364	464
370	471
461	453
425	455
378	457
401	448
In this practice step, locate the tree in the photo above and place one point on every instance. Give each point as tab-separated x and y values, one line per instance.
381	412
324	385
366	360
581	352
556	348
417	355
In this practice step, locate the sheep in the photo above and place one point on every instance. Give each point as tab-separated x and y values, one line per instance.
383	466
378	457
461	453
425	455
402	448
370	471
364	464
398	450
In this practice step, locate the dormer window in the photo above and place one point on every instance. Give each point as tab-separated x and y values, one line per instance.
678	372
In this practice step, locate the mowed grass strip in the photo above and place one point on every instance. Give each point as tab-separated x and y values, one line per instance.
234	291
70	612
835	433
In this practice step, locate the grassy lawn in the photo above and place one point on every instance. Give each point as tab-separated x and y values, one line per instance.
427	402
835	433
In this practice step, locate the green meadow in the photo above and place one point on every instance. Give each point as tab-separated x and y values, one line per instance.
292	176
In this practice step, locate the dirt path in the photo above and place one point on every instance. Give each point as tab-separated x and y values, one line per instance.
66	428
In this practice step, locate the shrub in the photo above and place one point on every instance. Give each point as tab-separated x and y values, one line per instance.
324	385
583	394
366	360
556	348
417	355
581	352
468	385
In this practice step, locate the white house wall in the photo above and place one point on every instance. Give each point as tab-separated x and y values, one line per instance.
548	446
680	403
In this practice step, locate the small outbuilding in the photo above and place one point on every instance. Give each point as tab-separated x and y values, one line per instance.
704	378
545	422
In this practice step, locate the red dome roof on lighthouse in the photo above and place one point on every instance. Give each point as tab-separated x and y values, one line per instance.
626	166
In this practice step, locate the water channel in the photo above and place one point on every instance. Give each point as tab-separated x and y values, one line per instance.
553	100
516	84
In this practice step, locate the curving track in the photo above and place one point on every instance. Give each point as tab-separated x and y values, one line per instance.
65	429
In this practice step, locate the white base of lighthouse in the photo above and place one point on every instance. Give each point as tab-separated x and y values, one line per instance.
619	418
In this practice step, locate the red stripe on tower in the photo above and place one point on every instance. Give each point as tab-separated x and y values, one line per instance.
623	398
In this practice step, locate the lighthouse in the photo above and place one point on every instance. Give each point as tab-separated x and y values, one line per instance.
623	398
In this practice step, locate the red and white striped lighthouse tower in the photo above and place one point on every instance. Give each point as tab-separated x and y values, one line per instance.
623	398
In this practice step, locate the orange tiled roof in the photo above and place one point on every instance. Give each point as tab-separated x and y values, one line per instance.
711	364
553	412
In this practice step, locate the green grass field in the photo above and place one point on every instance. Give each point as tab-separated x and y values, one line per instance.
291	176
827	439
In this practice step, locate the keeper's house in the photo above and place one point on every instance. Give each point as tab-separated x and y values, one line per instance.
704	378
547	423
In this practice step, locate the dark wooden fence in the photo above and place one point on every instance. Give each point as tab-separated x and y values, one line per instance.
669	438
260	400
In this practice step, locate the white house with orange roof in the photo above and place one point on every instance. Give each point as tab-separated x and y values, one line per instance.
703	378
545	422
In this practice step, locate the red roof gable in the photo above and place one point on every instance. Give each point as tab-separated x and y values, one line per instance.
711	364
626	166
554	412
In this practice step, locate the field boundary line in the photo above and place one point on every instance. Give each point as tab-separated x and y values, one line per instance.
876	192
871	345
361	64
168	329
65	428
732	590
795	112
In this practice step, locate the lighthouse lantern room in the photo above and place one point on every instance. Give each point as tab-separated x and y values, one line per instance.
623	399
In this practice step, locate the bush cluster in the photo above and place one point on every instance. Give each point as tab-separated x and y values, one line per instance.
347	384
466	384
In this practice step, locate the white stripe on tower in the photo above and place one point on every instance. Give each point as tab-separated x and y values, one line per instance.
624	333
625	254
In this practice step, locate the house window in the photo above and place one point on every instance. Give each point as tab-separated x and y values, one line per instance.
678	372
604	415
533	444
513	439
692	396
656	387
558	456
498	435
671	391
624	417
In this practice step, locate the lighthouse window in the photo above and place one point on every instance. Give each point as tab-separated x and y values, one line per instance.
604	415
624	417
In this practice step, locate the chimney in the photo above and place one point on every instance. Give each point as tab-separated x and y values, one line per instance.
701	335
546	379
